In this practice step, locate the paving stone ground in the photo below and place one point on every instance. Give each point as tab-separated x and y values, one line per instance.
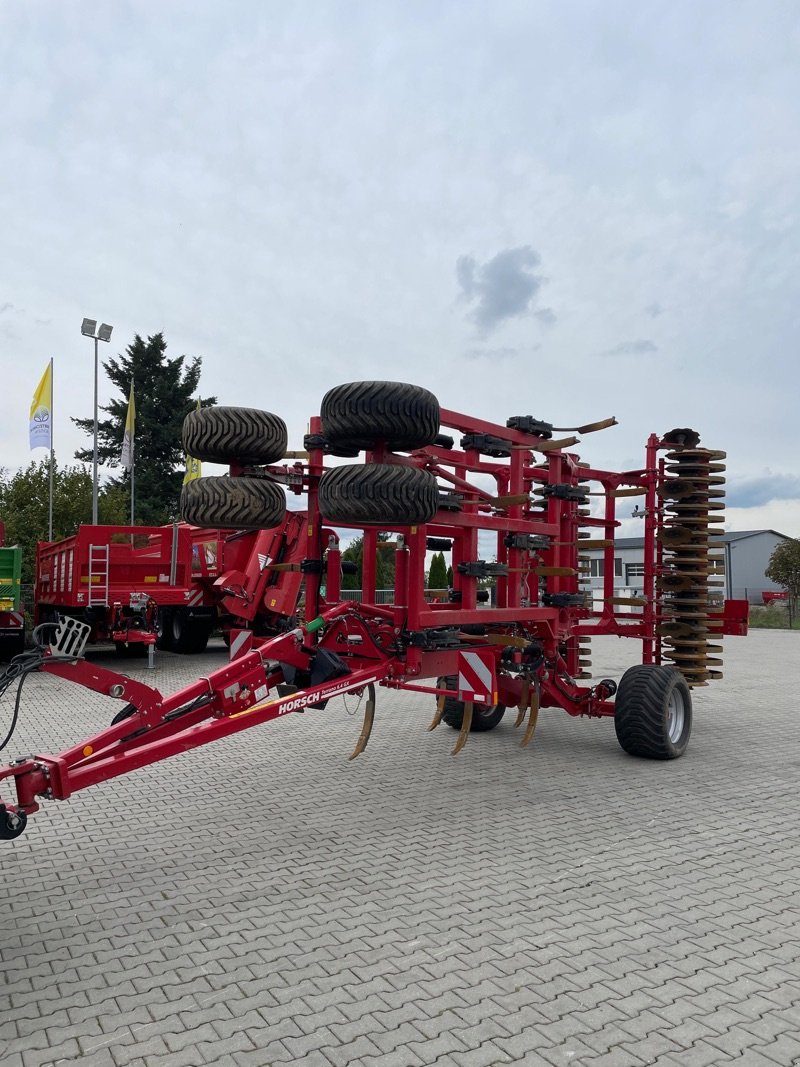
263	901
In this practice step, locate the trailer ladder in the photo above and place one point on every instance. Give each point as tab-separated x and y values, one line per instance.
98	574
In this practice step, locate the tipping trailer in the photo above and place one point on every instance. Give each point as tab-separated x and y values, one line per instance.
12	617
133	585
436	480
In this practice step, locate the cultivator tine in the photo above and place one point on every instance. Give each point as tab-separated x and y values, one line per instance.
627	492
369	718
437	718
553	446
524	701
507	501
534	718
466	726
590	427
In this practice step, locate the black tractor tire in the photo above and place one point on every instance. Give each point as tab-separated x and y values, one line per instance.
361	415
234	435
164	630
378	495
484	716
233	503
188	635
653	712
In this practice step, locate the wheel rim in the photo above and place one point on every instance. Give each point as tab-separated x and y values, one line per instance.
676	716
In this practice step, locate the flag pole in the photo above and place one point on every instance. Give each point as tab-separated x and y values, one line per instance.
50	509
133	464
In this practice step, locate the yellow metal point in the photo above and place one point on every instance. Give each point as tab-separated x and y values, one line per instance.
437	718
466	724
534	718
524	701
369	718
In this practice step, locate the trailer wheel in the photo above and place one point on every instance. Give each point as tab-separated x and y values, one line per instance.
164	630
240	435
12	823
233	503
188	635
653	712
378	494
484	716
360	415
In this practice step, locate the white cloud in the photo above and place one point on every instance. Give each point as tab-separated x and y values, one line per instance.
287	198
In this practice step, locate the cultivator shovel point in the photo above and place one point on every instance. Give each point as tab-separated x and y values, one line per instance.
466	726
532	719
366	729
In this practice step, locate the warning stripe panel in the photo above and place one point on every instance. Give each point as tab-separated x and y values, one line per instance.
475	678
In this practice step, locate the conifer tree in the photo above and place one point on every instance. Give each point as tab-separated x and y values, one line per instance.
165	392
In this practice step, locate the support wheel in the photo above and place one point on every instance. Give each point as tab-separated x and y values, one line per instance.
234	435
233	503
653	712
360	415
12	823
378	495
484	716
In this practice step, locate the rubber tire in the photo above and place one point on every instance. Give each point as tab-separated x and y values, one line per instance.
360	415
641	711
164	630
484	717
233	503
234	435
188	636
378	495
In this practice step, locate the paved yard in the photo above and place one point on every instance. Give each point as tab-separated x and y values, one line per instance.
264	902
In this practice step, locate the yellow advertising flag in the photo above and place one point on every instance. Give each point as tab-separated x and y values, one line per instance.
126	456
194	468
40	431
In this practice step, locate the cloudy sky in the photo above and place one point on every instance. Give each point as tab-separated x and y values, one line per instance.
564	209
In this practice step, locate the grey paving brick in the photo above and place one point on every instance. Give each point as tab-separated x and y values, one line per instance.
590	903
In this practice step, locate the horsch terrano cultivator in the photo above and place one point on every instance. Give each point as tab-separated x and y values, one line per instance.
526	647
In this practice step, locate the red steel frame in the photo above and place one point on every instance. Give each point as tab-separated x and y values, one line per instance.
530	642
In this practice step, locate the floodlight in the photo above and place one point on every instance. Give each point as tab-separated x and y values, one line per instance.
104	333
88	327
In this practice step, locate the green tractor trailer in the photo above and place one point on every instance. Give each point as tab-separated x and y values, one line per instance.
12	618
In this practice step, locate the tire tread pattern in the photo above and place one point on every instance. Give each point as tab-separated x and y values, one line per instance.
640	711
238	435
371	495
233	503
359	415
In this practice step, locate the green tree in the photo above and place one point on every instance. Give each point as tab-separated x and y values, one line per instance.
437	575
163	391
784	569
449	577
384	576
24	502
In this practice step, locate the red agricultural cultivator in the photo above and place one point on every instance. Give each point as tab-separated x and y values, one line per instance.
436	480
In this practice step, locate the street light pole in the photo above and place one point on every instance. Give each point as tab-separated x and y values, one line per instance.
89	329
94	445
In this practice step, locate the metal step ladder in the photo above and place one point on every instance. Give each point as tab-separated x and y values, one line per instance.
98	574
